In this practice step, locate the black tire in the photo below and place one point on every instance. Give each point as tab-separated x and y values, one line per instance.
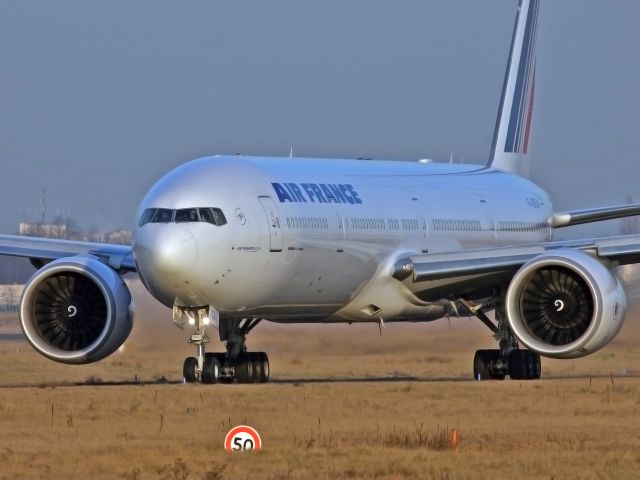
221	357
524	365
189	370
245	368
481	365
263	367
210	369
516	368
536	366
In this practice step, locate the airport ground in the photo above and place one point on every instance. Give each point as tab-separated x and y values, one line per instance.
345	402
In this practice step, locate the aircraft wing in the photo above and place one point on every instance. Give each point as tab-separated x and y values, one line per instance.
439	274
579	217
42	250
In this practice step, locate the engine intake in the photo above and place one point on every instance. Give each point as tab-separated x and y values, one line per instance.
76	310
565	304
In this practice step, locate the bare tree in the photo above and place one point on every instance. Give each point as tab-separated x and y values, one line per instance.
74	231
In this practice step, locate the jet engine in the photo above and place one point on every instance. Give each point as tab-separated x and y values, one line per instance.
76	310
565	304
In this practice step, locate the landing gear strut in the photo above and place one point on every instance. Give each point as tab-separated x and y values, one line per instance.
204	367
236	364
496	364
240	364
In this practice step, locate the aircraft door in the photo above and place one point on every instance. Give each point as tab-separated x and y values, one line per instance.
341	223
423	237
275	229
489	221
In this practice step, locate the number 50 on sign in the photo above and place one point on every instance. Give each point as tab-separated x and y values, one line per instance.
242	438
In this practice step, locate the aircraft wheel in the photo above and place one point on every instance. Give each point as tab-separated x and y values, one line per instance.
189	368
263	367
524	365
220	356
482	365
210	369
244	369
248	368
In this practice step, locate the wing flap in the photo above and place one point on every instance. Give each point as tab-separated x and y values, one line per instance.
622	250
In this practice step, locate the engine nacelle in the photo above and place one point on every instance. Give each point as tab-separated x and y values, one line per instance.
565	304
76	310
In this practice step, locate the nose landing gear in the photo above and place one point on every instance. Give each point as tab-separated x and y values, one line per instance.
204	367
236	364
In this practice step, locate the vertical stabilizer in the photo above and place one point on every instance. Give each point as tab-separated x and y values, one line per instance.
511	135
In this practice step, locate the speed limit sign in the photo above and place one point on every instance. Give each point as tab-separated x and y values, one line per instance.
242	438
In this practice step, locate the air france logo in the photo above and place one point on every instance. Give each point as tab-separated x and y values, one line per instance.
317	193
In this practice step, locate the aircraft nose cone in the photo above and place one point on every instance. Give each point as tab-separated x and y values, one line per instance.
174	251
165	252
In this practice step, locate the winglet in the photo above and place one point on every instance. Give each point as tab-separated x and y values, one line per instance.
513	124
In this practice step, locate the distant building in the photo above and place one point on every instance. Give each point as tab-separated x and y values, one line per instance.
71	231
10	297
43	230
120	237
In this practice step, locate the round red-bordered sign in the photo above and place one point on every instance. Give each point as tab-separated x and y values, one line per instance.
242	438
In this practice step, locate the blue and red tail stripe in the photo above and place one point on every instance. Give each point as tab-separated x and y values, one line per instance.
517	139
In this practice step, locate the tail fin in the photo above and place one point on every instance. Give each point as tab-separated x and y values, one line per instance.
511	135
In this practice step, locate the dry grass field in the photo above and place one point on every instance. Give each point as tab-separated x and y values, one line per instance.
346	402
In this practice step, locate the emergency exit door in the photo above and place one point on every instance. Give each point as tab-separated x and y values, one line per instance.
275	229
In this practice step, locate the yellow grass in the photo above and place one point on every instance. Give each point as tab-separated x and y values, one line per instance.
316	421
546	429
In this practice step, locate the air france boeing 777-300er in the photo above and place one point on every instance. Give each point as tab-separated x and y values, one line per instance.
229	241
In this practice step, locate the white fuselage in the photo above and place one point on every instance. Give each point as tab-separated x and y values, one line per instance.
316	240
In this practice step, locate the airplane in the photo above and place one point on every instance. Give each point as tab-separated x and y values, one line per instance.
227	242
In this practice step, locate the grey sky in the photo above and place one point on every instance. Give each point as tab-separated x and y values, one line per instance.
99	99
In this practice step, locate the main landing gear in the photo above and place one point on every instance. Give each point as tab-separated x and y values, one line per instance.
236	364
496	364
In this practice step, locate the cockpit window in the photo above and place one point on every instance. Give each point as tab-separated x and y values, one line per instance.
162	215
210	215
146	217
187	215
207	216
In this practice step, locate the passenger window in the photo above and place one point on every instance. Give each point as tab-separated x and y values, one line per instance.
162	215
187	215
146	217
